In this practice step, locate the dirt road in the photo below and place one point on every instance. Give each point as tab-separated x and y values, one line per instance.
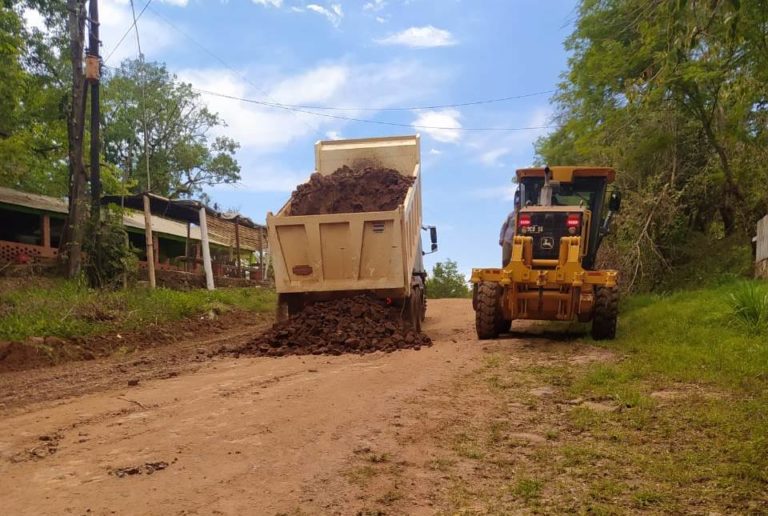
236	436
371	434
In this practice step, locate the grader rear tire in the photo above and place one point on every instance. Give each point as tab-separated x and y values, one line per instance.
487	312
606	313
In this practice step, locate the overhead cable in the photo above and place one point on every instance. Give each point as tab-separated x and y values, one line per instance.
128	31
363	120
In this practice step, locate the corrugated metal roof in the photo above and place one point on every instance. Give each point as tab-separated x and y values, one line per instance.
34	201
131	219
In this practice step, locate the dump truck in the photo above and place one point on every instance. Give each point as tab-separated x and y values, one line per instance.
322	257
550	273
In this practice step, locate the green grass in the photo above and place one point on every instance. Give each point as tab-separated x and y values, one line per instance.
749	303
67	309
688	337
694	346
671	420
527	488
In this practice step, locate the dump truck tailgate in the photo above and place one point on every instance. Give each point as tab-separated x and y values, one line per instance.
352	251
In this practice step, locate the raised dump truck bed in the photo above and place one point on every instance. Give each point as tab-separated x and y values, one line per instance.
319	256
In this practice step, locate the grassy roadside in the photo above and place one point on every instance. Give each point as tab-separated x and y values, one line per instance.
62	308
691	391
668	418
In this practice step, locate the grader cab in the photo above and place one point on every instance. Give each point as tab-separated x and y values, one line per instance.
550	275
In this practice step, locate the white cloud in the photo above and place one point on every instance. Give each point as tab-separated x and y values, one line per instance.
498	149
115	17
33	19
177	3
316	85
334	14
435	152
268	3
269	177
491	157
268	130
420	37
334	135
442	125
375	5
382	19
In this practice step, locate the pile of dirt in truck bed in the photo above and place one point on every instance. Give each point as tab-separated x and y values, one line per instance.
359	324
350	191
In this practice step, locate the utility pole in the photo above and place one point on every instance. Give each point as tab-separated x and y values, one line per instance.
73	231
93	75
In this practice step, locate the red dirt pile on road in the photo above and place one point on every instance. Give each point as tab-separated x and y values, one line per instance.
350	191
359	324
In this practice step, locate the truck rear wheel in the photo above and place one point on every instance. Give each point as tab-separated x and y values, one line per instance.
414	309
287	305
487	313
606	313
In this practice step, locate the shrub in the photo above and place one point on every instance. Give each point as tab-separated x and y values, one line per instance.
749	305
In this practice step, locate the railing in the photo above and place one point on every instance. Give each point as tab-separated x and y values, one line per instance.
17	252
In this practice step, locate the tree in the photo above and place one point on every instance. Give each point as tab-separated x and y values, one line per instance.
74	230
183	156
33	101
673	95
447	281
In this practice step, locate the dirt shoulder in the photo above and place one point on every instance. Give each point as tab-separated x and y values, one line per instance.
162	351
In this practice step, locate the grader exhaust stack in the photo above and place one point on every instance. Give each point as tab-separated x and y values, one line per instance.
551	275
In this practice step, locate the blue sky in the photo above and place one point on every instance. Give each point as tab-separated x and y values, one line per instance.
368	53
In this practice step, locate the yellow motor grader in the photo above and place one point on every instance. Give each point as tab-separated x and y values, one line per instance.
549	272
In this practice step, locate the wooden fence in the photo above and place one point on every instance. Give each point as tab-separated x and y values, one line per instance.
761	249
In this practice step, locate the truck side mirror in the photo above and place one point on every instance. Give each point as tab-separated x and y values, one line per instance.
517	199
614	204
432	238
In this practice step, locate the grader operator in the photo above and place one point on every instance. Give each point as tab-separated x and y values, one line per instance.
549	272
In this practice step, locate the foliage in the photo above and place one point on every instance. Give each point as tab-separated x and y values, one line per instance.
447	281
749	302
112	263
66	308
182	156
32	105
671	94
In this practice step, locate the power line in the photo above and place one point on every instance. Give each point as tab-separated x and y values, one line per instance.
367	121
305	109
421	108
125	34
143	92
222	61
335	108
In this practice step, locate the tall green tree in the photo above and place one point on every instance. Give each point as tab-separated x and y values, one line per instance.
446	281
33	101
673	94
184	155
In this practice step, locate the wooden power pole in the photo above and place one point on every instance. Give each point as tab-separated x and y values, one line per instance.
93	76
73	230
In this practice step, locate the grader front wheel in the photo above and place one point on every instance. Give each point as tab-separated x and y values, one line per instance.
487	313
606	313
